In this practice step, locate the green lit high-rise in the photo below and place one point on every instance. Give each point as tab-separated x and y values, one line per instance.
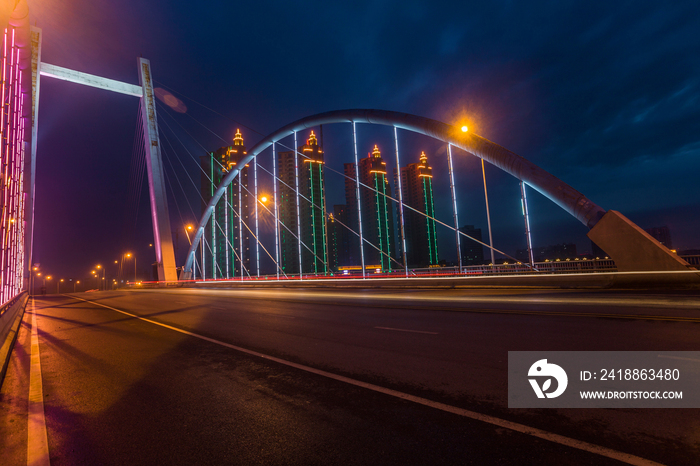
377	212
419	228
311	218
227	239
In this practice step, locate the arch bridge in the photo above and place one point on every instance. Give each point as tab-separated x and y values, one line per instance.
631	247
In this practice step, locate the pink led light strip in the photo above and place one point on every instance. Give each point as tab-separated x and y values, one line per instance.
12	198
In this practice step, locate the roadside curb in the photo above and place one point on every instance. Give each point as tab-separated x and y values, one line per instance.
10	320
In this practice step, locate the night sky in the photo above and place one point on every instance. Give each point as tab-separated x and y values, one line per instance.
604	95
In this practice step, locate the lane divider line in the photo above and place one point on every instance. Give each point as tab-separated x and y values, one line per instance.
406	330
37	438
532	431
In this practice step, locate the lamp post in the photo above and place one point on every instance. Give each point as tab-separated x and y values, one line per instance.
46	278
58	289
128	254
103	269
188	228
75	283
32	277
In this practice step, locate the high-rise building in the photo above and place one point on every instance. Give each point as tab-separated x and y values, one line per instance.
343	247
227	239
472	252
377	212
312	209
419	228
332	231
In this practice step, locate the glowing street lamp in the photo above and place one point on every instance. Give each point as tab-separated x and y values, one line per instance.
188	228
465	129
128	255
104	270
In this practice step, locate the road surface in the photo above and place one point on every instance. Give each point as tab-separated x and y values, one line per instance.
274	376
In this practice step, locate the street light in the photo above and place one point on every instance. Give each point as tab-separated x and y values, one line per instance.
32	282
128	254
188	228
103	274
465	129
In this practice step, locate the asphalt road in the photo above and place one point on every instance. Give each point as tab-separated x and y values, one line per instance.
123	390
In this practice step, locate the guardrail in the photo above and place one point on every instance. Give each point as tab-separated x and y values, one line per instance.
11	313
4	307
692	260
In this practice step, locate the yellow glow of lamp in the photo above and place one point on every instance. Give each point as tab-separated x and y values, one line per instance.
465	129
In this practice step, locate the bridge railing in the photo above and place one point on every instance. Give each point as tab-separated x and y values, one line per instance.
548	267
692	260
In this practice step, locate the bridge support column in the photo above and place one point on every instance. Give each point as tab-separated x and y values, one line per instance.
632	248
162	236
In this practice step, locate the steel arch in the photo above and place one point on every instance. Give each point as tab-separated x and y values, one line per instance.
547	184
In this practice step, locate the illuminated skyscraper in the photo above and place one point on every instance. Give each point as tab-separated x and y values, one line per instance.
421	235
227	248
377	212
312	210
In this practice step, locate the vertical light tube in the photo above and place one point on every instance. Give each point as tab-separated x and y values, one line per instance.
488	215
231	239
454	204
257	237
401	219
386	223
8	165
526	214
226	231
240	218
274	190
213	219
203	265
213	243
357	194
3	147
296	181
323	213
